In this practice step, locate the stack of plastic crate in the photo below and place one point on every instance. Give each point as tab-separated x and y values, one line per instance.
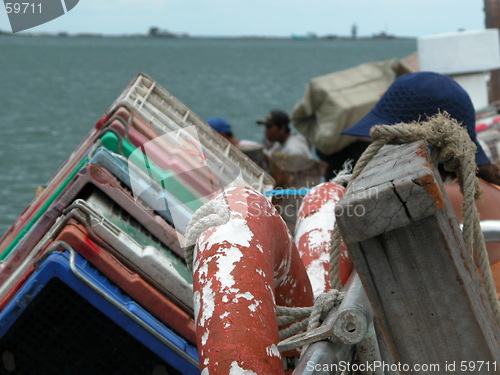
92	275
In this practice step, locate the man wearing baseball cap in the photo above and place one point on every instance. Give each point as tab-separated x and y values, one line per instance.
278	133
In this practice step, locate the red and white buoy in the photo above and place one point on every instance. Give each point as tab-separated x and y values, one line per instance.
313	235
241	270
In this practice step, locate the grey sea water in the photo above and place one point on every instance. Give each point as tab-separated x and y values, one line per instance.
53	89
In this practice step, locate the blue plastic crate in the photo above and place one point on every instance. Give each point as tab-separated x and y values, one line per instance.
69	319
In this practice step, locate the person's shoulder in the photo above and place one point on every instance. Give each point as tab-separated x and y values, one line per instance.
298	138
245	143
298	144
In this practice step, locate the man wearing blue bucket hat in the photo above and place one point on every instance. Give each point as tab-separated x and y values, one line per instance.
418	96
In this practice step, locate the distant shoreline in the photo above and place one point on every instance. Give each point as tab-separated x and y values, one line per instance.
381	36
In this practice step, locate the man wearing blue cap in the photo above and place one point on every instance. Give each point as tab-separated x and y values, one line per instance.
221	126
252	149
418	96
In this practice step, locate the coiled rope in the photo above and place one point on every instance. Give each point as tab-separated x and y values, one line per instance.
211	214
453	146
307	317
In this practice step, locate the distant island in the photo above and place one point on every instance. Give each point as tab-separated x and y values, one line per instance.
156	33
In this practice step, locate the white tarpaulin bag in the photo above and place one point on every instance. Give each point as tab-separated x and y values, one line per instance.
335	101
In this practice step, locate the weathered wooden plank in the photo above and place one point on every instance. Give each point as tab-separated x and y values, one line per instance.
392	174
426	293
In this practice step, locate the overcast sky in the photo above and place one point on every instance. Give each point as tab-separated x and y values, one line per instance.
267	17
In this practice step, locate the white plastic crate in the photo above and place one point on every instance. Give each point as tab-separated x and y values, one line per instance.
166	114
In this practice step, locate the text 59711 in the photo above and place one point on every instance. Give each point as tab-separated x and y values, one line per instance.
23	8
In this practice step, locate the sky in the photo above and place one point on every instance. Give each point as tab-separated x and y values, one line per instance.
410	18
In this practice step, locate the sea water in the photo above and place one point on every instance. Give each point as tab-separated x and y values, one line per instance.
53	89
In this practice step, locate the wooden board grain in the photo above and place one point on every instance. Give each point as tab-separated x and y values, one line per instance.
426	293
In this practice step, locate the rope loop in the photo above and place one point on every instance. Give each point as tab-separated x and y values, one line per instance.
211	214
452	145
307	317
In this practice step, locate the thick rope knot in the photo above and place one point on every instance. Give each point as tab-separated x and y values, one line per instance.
211	214
322	305
307	317
452	145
